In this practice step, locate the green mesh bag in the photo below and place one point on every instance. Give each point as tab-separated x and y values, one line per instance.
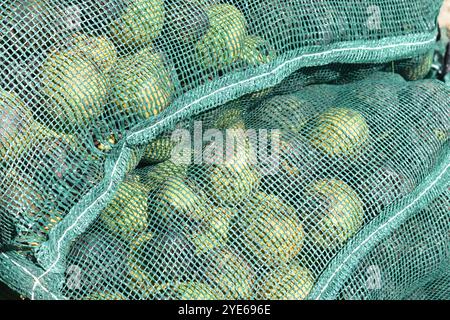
202	149
408	261
430	65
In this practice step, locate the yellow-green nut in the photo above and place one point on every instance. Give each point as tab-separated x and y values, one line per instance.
159	150
126	214
284	112
230	176
223	43
257	51
140	279
416	68
212	233
336	212
163	171
271	229
178	197
21	197
106	295
202	3
99	49
230	118
15	125
135	159
141	23
340	132
261	94
29	26
430	114
196	290
232	183
297	160
142	85
230	273
286	282
74	89
186	21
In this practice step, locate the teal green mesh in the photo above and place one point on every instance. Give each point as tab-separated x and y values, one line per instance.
96	97
411	263
429	65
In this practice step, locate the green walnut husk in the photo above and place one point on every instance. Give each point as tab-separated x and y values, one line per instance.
286	282
189	290
336	212
271	229
321	95
261	94
222	45
161	172
178	197
126	214
59	167
32	211
30	26
285	112
276	22
186	21
159	150
98	49
196	290
141	23
29	29
93	16
74	89
230	273
379	95
16	123
427	102
135	159
140	279
416	68
340	132
46	168
106	295
157	259
385	186
297	163
256	51
141	84
166	258
231	177
101	261
229	118
212	232
375	92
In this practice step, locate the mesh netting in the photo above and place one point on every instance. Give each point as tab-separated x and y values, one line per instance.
434	290
224	220
202	149
412	263
93	70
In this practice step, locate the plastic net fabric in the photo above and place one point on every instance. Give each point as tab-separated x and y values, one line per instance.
90	90
221	219
411	263
416	68
434	290
90	71
430	65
